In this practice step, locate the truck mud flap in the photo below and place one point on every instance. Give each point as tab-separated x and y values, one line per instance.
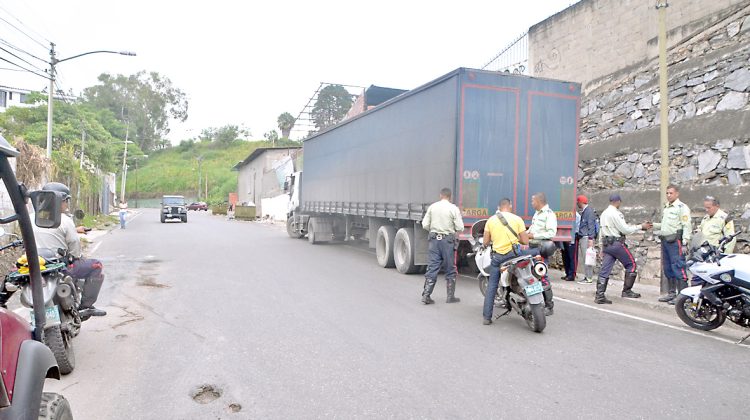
421	242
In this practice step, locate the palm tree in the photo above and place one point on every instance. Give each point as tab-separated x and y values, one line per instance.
286	123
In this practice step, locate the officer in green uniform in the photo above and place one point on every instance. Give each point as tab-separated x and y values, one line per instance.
716	224
443	221
675	229
543	228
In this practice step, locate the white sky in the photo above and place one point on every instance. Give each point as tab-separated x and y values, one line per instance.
246	62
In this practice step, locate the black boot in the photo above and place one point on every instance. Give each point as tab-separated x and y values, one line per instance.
627	291
429	285
671	284
601	287
679	285
549	304
451	291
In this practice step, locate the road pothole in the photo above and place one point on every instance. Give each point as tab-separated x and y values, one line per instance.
234	408
205	394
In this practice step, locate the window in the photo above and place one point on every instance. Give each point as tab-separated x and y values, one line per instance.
3	98
22	97
10	96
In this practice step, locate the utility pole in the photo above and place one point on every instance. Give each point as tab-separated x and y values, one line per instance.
661	7
200	179
52	62
124	164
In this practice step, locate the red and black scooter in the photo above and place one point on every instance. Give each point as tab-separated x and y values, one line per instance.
25	362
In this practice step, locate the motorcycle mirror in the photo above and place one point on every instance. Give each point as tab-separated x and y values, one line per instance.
79	214
47	208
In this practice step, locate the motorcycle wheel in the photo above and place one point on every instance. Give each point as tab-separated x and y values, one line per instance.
535	318
705	318
62	347
483	280
54	407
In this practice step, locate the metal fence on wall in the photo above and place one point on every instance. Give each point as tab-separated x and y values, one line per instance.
514	58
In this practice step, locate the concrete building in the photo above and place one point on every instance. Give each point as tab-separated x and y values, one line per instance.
11	96
262	174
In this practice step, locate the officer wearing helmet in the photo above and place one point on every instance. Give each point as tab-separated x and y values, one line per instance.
66	237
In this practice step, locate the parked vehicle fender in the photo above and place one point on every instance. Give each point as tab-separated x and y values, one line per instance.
693	291
35	364
536	299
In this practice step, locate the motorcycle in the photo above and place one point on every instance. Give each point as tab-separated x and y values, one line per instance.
725	292
520	280
62	297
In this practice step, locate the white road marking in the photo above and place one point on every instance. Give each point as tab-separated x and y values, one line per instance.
93	250
652	322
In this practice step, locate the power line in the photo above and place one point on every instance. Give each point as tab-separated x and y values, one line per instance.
24	68
25	61
2	41
20	30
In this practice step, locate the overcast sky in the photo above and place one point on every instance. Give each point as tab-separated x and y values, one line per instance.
246	62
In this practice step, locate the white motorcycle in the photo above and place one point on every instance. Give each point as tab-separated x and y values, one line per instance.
725	292
520	280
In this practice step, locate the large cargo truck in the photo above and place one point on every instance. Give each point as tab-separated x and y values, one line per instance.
486	135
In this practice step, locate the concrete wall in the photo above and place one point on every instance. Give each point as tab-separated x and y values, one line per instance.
254	182
594	38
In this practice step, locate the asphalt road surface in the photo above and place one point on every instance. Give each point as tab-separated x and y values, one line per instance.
234	320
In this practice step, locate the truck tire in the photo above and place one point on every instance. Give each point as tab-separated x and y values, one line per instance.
163	219
311	232
403	251
54	407
384	246
290	229
184	219
61	345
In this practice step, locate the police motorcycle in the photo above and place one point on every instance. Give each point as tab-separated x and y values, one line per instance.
725	292
62	297
521	288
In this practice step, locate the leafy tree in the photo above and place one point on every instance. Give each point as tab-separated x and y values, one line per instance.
331	106
272	136
286	123
148	101
223	135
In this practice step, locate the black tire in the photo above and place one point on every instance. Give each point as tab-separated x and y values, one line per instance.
290	229
535	318
54	407
685	311
61	345
311	232
163	219
403	251
384	246
483	282
184	219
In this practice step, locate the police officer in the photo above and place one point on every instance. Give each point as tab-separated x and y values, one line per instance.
613	231
543	228
717	224
506	232
443	221
675	229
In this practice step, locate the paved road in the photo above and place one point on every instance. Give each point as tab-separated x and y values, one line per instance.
284	329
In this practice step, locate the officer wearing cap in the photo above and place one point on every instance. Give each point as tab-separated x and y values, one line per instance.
543	228
717	224
443	220
613	231
674	232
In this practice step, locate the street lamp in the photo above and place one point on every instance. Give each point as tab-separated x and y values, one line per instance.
53	61
124	166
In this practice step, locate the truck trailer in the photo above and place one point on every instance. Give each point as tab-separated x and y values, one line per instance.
485	135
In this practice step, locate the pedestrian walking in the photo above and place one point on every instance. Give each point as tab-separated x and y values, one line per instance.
614	229
122	213
506	232
543	228
585	238
443	220
674	231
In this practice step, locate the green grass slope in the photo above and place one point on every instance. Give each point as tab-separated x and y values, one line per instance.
175	170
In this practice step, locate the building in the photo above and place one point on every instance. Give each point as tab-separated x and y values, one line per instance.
262	174
370	98
11	96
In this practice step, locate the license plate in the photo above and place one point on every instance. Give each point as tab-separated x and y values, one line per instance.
53	316
534	289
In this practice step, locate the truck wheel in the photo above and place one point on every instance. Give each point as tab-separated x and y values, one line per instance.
62	347
290	229
403	251
184	219
384	246
311	231
54	407
163	219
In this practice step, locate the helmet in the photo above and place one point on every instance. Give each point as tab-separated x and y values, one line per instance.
547	249
60	189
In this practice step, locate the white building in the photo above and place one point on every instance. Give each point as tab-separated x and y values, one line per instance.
11	96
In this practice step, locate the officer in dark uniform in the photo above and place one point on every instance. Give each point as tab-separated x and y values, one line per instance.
613	231
443	220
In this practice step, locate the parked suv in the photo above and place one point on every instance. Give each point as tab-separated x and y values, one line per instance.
197	206
173	207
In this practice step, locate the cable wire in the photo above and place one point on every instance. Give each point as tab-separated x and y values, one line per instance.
25	61
21	31
2	41
24	68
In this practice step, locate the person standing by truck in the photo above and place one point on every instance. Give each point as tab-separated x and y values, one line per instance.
543	228
443	220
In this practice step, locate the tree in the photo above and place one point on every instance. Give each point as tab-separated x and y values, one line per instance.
223	136
286	123
331	106
272	136
146	101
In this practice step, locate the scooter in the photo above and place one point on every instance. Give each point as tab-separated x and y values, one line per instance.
26	361
520	280
725	292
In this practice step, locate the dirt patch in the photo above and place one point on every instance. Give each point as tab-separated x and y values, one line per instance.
234	408
120	337
205	394
150	282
